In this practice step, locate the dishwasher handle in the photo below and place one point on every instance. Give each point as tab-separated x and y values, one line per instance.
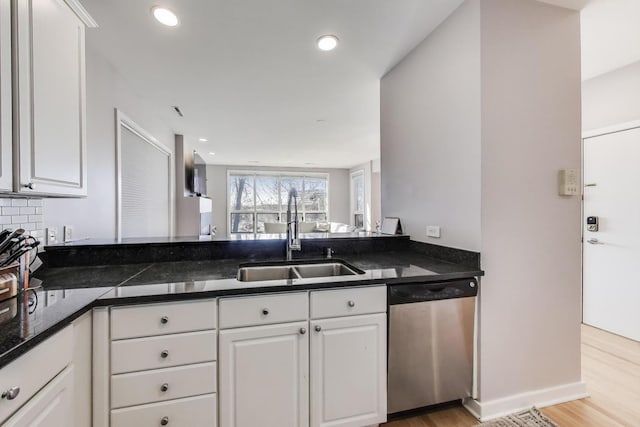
434	291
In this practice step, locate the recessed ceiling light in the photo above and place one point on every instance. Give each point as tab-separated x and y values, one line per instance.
327	42
165	16
203	140
212	153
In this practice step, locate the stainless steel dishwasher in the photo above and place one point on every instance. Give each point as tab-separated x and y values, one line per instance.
431	329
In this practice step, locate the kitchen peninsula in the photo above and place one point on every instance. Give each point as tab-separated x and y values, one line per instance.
108	277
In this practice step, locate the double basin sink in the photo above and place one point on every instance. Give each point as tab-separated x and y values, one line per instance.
295	270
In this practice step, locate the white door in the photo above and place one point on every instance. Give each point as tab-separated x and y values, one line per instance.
51	98
349	371
611	285
264	376
51	406
6	174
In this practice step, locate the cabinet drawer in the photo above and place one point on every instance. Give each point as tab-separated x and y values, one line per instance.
348	302
31	371
139	354
190	412
263	310
147	386
158	319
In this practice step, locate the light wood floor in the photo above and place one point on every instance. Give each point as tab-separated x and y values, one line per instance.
611	368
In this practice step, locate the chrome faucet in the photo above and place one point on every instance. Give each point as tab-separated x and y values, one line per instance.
293	238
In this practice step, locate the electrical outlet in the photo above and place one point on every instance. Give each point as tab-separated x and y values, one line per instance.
52	235
433	231
67	233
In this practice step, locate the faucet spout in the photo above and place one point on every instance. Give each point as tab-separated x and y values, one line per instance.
293	236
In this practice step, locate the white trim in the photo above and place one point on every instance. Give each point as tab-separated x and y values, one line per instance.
81	13
100	367
352	211
620	127
520	402
122	120
301	173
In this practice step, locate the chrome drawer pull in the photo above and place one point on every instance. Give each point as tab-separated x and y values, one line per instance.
265	311
303	331
318	328
164	387
164	354
351	303
164	320
11	394
164	421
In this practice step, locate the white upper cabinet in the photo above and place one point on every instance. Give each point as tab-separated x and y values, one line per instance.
6	177
49	103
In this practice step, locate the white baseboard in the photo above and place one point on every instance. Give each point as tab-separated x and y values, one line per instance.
487	410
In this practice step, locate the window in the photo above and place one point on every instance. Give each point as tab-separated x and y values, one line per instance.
357	199
259	197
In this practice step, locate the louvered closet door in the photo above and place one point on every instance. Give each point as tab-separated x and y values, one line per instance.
145	197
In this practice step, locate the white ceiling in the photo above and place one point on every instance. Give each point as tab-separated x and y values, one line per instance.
248	76
610	35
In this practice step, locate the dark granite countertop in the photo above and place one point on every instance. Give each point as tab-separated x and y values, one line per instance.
68	292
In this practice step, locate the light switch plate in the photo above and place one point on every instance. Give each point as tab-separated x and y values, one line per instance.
67	233
433	231
52	235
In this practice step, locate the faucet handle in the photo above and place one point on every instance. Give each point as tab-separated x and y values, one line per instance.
328	252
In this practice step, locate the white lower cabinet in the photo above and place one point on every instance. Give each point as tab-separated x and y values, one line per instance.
264	376
199	411
156	365
277	370
51	406
348	371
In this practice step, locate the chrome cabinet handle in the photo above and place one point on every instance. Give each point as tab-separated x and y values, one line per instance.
164	354
594	242
164	320
318	328
351	303
11	394
164	387
303	331
265	311
164	421
30	186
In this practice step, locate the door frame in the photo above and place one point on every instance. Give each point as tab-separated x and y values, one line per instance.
593	133
122	120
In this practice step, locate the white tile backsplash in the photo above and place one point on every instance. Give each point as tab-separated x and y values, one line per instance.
8	210
22	213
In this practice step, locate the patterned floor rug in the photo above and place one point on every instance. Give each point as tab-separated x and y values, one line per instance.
529	418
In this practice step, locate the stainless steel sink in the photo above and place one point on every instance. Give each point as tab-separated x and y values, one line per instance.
305	270
256	274
324	270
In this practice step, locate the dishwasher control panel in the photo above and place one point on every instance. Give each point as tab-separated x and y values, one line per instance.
421	292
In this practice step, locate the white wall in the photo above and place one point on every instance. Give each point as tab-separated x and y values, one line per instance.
95	215
531	294
476	123
217	190
430	134
611	98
